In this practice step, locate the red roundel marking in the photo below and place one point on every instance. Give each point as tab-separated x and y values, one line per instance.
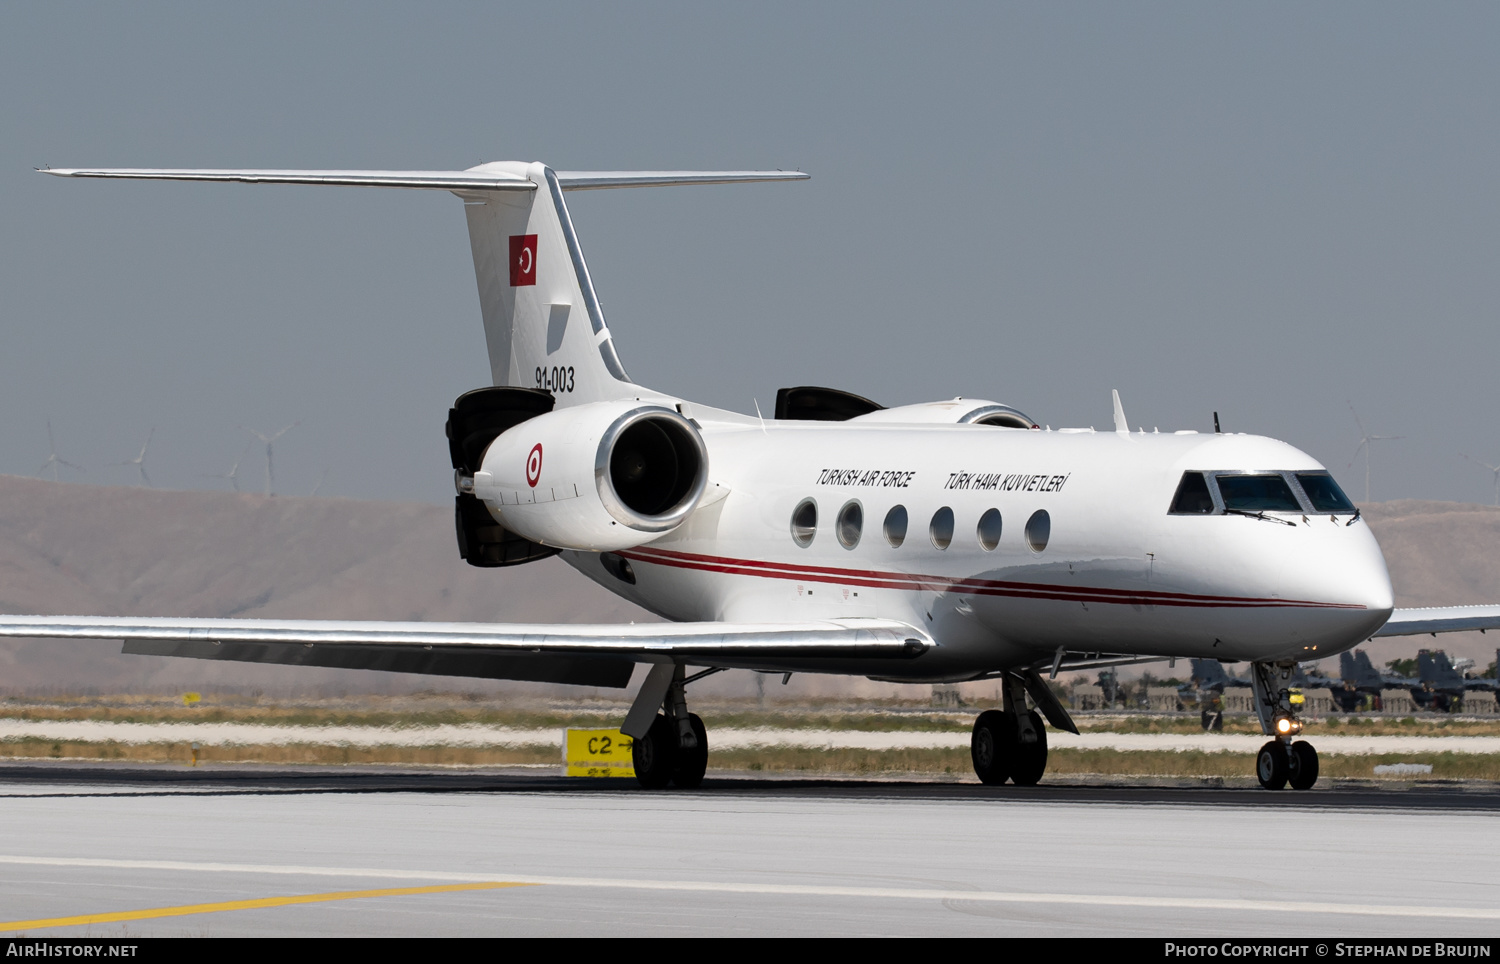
534	465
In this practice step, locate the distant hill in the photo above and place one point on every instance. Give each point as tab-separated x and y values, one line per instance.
97	550
1439	554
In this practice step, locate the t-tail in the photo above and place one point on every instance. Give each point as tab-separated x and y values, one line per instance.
542	322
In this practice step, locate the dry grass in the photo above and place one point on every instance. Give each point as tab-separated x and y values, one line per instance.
295	753
438	710
954	763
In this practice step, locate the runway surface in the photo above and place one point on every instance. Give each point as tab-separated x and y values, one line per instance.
97	850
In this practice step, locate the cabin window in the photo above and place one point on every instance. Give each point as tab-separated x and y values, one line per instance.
1257	493
941	529
850	523
1038	530
989	530
895	526
805	522
1192	496
1324	493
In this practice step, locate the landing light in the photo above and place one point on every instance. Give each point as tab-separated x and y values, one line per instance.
1286	726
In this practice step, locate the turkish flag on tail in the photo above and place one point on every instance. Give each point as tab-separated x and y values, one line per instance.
522	260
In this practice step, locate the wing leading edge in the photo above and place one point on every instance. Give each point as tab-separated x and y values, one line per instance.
1441	619
595	655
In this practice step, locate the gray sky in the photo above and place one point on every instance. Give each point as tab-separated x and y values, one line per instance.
1268	210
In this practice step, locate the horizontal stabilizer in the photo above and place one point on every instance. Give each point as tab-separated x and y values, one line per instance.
596	180
1440	619
484	178
430	180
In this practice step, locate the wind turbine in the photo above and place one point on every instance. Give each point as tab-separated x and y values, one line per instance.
268	439
1365	439
140	460
234	470
1493	470
52	460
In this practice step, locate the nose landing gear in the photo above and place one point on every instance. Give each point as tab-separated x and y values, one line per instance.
1281	761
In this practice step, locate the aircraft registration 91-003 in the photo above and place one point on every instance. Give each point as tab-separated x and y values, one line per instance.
940	542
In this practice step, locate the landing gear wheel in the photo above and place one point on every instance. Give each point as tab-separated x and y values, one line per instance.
993	747
692	763
1031	758
1302	765
1271	766
655	754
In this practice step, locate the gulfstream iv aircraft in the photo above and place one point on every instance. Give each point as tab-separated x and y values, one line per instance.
939	542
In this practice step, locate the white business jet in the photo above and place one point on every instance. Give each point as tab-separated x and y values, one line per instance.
947	541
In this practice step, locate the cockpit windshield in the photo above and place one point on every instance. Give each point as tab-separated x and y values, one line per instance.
1324	493
1257	493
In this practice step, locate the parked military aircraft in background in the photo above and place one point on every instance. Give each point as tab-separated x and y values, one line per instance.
1444	686
943	541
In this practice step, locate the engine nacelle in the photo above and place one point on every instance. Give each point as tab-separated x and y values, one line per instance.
955	411
602	476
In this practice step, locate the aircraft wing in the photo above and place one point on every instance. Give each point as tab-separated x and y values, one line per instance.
1440	619
594	655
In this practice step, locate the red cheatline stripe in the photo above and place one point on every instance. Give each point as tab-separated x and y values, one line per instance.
981	587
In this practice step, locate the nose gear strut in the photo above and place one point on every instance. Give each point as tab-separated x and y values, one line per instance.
1283	760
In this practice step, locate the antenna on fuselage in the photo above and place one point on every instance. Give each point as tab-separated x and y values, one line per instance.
1120	425
1217	430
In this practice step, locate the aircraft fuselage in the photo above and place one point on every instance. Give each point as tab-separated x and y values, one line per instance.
1116	572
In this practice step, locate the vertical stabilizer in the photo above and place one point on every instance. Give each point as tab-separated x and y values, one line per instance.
542	320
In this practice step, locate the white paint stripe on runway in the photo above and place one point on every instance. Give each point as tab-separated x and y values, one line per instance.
789	890
725	738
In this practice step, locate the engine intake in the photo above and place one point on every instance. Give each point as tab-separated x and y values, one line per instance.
651	469
602	476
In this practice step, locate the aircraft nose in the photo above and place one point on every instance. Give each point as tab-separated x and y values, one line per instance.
1351	572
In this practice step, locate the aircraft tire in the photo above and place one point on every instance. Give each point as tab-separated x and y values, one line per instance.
1302	765
655	755
1031	758
992	747
1271	766
691	763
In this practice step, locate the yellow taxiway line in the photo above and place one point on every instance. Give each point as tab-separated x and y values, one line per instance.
185	909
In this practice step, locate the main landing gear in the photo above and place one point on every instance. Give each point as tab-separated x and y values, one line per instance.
669	746
1284	760
1011	744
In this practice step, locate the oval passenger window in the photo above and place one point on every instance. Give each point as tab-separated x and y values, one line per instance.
1038	530
851	523
805	522
942	527
989	530
895	526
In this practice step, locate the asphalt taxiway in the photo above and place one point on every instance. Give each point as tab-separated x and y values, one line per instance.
121	851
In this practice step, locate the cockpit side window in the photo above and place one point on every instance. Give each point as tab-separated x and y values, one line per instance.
1192	496
1257	493
1324	493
